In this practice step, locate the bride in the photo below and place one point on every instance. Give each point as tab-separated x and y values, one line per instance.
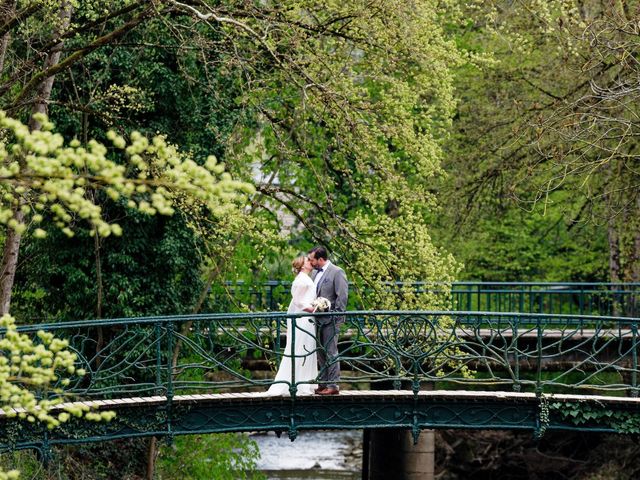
303	292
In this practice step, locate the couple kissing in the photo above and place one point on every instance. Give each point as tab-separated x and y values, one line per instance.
312	342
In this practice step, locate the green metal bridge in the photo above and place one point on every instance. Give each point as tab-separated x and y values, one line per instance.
174	375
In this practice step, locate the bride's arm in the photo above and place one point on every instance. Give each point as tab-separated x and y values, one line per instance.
298	292
304	289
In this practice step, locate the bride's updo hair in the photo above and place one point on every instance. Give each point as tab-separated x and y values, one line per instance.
297	264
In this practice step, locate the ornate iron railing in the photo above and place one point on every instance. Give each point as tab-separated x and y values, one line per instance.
612	299
137	357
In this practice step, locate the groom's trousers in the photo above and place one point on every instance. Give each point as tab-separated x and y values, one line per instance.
329	367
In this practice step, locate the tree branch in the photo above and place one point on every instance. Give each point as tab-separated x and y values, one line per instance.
77	56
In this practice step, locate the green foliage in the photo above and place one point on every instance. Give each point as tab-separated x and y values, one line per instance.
170	85
581	413
153	270
344	105
93	461
512	244
169	94
355	151
224	456
531	191
245	248
22	461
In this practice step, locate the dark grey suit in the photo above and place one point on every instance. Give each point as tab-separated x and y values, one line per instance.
334	287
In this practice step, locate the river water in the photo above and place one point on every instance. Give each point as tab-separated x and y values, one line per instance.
314	455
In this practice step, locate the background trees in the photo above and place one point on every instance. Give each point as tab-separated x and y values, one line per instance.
335	112
548	127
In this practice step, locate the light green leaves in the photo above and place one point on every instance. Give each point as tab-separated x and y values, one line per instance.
41	176
30	369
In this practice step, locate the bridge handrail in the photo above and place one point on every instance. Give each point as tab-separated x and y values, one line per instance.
481	283
163	319
599	298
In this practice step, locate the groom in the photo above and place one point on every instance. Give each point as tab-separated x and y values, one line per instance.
331	283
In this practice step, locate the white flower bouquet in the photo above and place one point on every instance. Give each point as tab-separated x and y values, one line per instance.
321	304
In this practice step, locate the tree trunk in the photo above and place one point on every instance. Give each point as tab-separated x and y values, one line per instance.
152	453
44	90
9	264
13	238
8	10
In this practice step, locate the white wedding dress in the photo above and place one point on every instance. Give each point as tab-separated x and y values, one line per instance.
303	292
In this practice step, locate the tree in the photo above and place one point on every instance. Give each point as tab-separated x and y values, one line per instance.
356	94
348	137
544	132
39	174
33	375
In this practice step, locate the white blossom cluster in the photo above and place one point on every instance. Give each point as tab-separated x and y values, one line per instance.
28	367
40	175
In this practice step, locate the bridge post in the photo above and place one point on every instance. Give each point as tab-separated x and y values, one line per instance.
390	453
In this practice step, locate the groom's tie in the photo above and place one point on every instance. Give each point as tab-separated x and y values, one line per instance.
318	277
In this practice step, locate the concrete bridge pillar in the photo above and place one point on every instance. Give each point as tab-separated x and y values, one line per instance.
390	453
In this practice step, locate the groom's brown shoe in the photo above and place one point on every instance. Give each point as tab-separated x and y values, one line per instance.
320	389
329	391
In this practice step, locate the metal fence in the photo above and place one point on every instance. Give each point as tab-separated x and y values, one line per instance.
613	299
566	298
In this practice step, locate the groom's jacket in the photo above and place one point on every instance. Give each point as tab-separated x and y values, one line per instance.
334	287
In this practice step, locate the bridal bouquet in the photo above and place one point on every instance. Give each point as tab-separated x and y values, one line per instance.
321	304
